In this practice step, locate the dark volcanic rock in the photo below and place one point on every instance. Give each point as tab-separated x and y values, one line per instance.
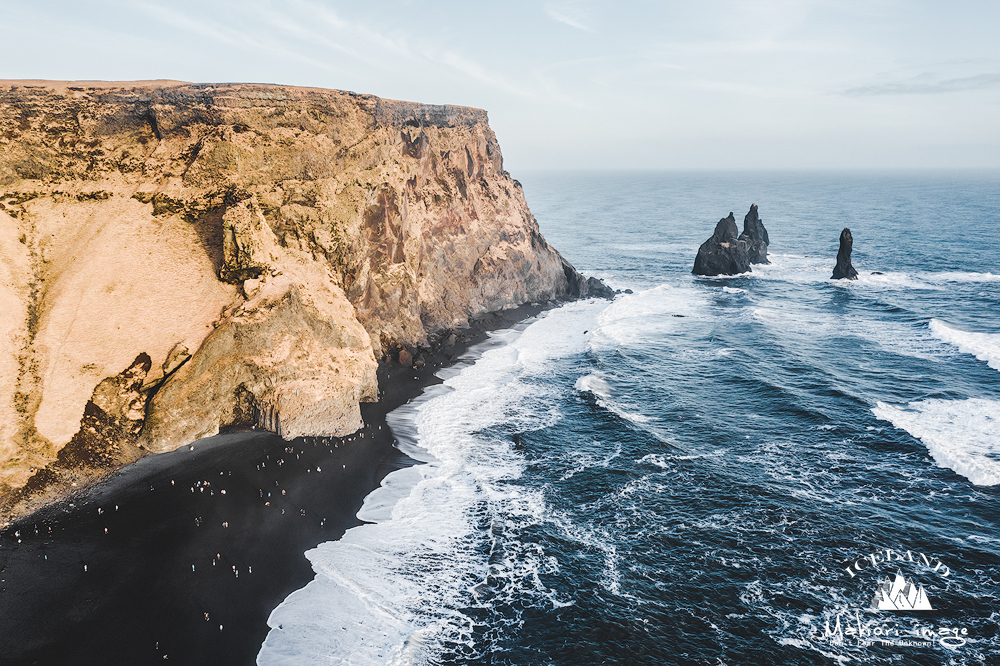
755	236
723	253
844	270
726	254
597	289
584	287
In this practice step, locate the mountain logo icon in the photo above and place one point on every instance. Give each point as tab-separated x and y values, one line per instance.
900	595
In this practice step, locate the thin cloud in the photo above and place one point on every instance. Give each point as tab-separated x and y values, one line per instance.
196	26
266	35
476	71
318	13
977	82
285	28
640	59
310	35
226	35
567	15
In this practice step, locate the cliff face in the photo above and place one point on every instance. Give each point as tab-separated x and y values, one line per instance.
175	258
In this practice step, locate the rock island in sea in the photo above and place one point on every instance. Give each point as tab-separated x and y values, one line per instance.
179	258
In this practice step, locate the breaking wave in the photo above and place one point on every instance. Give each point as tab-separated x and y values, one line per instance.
984	346
961	435
400	590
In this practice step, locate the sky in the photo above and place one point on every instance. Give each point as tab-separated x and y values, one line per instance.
584	84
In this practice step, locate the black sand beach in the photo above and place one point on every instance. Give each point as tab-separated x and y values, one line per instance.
182	556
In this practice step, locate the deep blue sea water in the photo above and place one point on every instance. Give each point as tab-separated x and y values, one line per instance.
705	471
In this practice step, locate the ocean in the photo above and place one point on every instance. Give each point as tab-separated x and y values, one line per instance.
771	468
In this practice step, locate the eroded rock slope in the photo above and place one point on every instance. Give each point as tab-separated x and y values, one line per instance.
175	258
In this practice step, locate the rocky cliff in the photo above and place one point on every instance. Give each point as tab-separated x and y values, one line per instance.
175	258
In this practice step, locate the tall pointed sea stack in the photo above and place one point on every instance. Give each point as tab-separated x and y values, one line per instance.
726	254
755	236
844	270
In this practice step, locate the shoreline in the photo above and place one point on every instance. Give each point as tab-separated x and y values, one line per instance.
183	555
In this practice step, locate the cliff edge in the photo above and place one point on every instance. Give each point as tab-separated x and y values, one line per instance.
176	258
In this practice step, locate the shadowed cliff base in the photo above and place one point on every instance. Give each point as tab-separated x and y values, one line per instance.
106	576
261	246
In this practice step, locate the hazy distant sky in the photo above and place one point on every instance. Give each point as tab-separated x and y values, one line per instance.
584	84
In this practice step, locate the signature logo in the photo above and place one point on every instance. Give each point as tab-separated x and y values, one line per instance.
850	628
905	591
900	595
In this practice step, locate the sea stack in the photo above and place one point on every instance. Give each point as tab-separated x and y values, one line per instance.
844	270
722	254
755	236
725	253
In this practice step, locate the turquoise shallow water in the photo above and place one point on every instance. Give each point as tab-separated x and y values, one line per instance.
705	471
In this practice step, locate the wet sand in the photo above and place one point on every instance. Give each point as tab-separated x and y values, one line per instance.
182	556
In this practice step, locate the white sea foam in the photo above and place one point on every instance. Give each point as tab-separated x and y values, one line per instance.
443	534
984	346
633	319
794	269
583	460
789	322
595	384
798	269
889	280
959	276
927	280
962	435
378	506
657	459
718	453
918	279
